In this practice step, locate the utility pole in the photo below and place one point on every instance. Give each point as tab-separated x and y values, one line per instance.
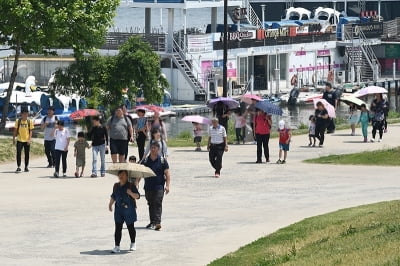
225	56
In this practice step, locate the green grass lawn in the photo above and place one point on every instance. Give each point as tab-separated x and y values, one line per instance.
365	235
388	157
8	150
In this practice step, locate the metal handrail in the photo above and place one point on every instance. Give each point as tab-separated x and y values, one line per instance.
252	15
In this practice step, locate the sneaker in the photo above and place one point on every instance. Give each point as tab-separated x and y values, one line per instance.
56	175
115	250
64	175
76	174
267	160
309	144
157	227
217	175
279	161
320	146
133	247
103	175
385	131
365	140
380	140
283	162
372	140
93	176
49	166
150	226
18	170
26	169
258	162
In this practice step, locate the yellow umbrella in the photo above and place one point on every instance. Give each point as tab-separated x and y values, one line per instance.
134	170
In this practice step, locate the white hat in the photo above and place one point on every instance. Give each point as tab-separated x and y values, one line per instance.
281	124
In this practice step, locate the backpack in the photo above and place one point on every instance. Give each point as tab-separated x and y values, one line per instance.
162	146
44	118
19	124
162	158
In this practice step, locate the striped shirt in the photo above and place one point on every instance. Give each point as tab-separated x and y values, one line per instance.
217	134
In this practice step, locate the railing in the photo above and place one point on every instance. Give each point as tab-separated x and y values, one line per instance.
370	55
251	14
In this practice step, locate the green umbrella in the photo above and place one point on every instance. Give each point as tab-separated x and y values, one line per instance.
352	100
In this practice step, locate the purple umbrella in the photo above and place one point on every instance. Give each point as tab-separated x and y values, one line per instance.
197	119
231	103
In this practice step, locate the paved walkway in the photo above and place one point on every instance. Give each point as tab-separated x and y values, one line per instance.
46	221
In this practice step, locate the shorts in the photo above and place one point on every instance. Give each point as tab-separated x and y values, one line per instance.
118	146
311	135
127	215
284	147
197	139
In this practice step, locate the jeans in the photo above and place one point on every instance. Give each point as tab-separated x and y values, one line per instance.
239	134
61	155
154	200
141	141
320	132
262	142
49	150
26	147
215	156
95	151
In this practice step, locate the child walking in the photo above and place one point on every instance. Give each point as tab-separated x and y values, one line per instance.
123	196
62	137
80	147
240	125
364	120
311	131
284	140
197	135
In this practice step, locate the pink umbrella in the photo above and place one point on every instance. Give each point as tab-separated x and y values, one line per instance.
328	107
196	119
370	90
248	98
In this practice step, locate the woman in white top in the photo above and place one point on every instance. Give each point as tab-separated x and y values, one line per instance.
62	136
157	137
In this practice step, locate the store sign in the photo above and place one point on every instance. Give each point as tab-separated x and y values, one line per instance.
370	30
272	33
199	43
323	52
300	53
239	35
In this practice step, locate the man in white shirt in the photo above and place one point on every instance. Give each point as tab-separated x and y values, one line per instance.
217	145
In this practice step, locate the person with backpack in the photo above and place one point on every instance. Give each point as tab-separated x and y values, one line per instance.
47	125
127	116
157	137
284	141
23	132
378	108
156	186
121	132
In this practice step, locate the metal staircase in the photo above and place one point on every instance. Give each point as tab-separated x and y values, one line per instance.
252	15
178	58
361	55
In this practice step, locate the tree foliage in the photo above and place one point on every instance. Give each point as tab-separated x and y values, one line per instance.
40	26
102	79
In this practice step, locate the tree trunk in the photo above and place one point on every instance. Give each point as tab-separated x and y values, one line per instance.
10	88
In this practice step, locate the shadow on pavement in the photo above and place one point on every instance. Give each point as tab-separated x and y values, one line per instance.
354	141
205	176
246	162
205	150
98	252
345	135
309	147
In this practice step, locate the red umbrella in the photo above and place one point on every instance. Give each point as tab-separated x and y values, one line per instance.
150	107
248	98
82	113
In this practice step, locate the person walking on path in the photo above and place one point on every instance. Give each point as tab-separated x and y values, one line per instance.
240	126
23	132
284	141
159	124
322	119
121	132
353	118
124	198
47	125
262	129
378	107
99	137
311	131
131	137
156	186
217	145
157	137
61	148
80	147
141	130
330	96
364	120
197	135
221	111
251	111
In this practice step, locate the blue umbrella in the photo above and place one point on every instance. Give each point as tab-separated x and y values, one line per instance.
231	103
269	108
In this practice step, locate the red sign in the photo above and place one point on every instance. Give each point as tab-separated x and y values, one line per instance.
323	52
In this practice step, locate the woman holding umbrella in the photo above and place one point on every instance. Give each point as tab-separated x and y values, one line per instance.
262	129
221	111
321	114
379	108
